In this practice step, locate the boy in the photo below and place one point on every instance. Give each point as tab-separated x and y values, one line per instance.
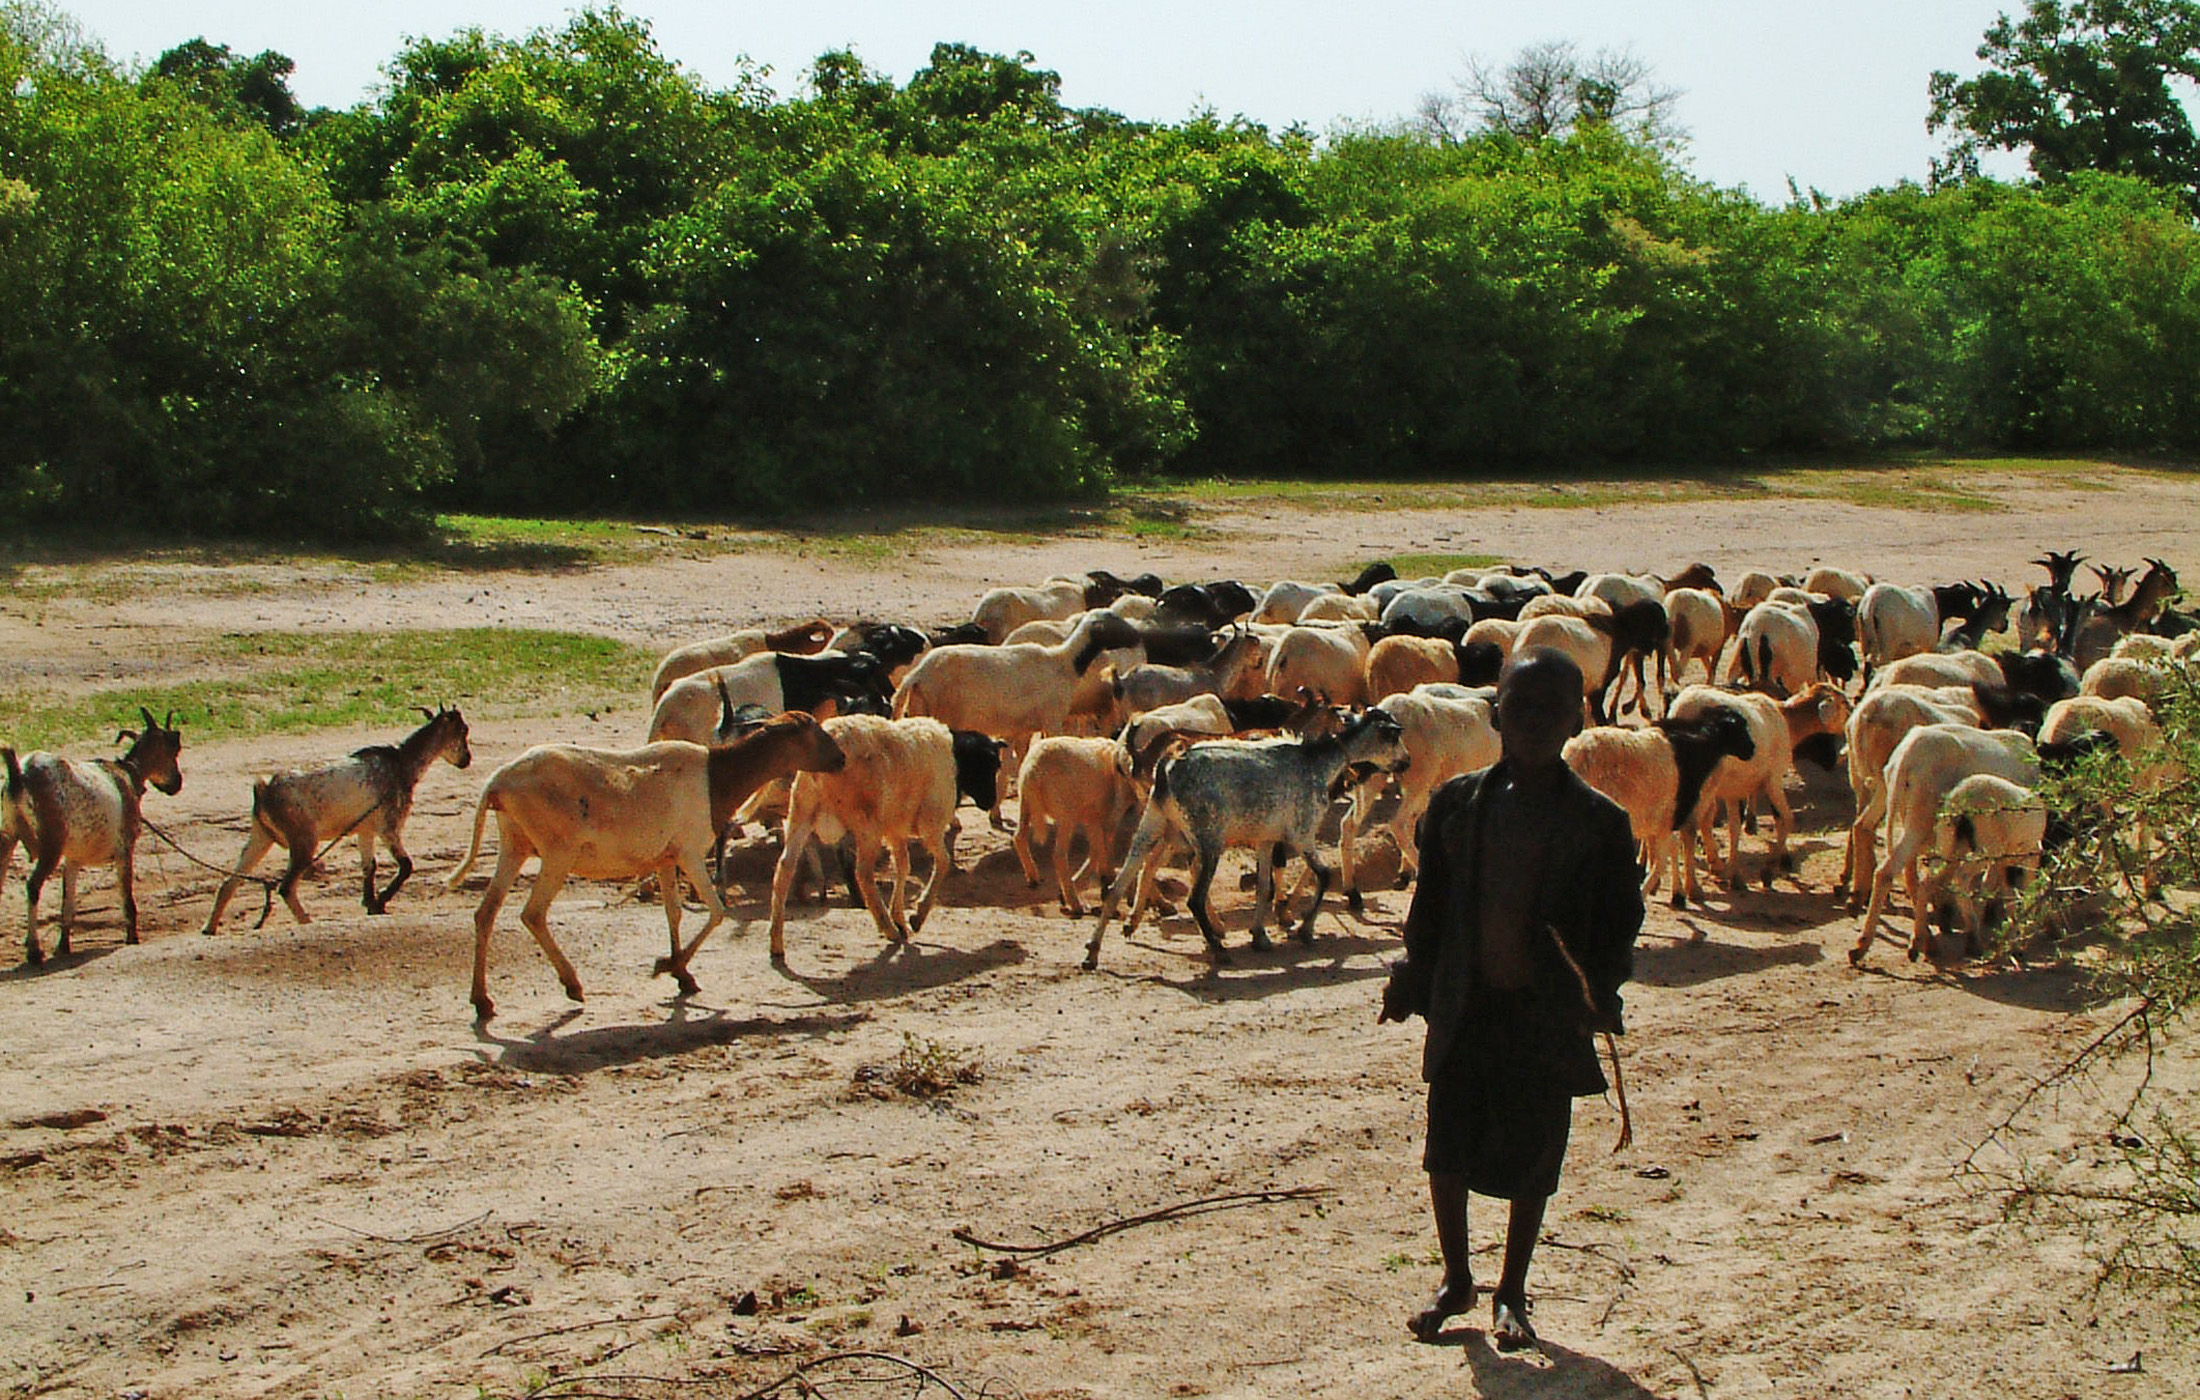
1521	931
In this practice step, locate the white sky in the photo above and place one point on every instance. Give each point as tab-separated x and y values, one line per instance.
1832	95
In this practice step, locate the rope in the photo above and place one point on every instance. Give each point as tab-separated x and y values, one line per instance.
267	886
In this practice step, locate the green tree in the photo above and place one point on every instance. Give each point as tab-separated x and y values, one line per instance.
255	89
2082	85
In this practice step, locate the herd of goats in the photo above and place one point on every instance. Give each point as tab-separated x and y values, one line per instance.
1209	717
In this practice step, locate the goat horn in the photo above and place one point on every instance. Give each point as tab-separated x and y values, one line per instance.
150	722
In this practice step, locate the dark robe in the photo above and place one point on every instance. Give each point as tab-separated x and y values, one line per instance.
1503	1065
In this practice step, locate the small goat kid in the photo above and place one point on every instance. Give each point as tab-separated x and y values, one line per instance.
368	795
74	813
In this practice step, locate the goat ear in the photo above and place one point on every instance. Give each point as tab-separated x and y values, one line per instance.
425	710
126	736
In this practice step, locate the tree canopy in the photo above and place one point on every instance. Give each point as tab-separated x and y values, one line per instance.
561	272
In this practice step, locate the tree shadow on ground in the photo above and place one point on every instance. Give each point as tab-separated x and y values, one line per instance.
688	1028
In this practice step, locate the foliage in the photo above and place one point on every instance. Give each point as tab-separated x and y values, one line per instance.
2138	1197
924	1069
559	273
1549	89
2081	85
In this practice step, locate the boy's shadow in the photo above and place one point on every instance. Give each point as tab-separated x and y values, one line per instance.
1556	1370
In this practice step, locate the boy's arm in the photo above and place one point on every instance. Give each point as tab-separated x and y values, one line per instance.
1616	878
1407	992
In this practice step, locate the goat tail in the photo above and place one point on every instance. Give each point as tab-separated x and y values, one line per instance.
15	770
909	700
482	809
1764	662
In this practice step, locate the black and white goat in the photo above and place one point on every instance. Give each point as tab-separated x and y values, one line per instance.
72	813
367	795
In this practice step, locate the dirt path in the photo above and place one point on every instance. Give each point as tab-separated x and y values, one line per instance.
285	1162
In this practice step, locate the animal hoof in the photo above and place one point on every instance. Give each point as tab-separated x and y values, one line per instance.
1074	911
1768	879
1091	962
1856	957
573	991
779	960
1679	900
1353	902
687	984
484	1009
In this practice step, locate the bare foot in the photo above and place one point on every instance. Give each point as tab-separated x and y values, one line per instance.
1450	1301
1509	1329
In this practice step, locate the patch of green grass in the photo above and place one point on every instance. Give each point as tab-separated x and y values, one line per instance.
288	682
1437	565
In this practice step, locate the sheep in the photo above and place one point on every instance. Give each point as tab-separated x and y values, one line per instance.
1755	587
368	794
1776	727
1837	583
1423	609
2113	677
1698	623
617	814
829	682
1270	796
2144	646
73	813
1329	661
1924	768
1587	647
1340	607
1876	726
1618	590
1287	598
2138	738
1699	576
1074	785
1893	621
804	639
1209	605
1640	632
1989	835
1013	693
1149	686
896	786
1002	610
1396	665
1939	668
1783	648
1561	605
1657	774
1443	738
1135	607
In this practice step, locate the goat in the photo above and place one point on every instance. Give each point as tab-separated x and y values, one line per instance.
616	814
1640	633
73	813
2138	738
804	639
368	794
1329	661
1210	605
1270	796
893	646
1837	583
1150	686
1657	775
1894	621
1586	646
2108	624
1697	621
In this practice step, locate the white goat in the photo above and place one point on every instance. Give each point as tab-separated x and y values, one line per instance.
1443	737
1990	830
1074	786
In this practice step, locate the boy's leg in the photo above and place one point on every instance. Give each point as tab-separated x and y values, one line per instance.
1509	1327
1447	1195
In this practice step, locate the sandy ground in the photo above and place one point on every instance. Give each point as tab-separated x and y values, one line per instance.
285	1161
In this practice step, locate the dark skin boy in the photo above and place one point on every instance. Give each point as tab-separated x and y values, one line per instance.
1536	806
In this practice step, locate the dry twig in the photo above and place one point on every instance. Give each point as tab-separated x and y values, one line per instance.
1178	1211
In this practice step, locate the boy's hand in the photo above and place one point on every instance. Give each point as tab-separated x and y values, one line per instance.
1394	1001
